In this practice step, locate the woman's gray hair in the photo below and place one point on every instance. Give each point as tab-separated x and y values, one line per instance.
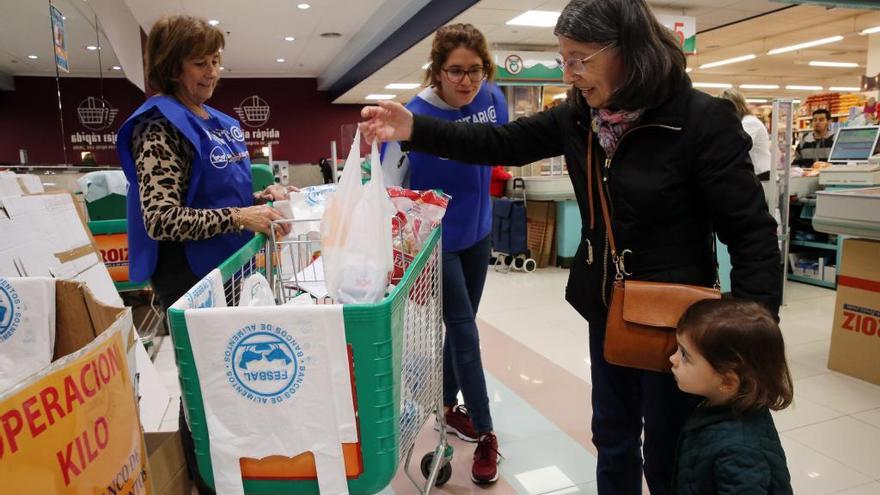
652	57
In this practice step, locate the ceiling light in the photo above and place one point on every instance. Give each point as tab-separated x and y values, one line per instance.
688	70
91	48
844	88
222	68
303	6
403	86
289	38
819	63
535	18
808	44
728	61
875	29
425	67
213	22
379	97
759	86
712	85
560	96
33	57
795	101
799	87
756	100
279	60
116	67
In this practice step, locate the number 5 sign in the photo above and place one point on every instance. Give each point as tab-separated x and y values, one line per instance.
685	29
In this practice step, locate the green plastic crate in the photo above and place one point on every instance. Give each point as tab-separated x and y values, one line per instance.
374	333
110	207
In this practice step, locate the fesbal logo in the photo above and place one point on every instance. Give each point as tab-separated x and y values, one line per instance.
264	363
201	296
10	310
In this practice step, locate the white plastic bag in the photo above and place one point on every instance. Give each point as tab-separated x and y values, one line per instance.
255	291
356	234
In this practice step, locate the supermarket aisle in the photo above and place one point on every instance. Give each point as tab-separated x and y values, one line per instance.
534	348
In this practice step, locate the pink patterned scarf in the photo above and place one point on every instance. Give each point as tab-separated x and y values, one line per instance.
610	125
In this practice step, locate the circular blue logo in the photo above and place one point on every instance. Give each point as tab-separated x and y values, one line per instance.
264	363
201	296
10	310
219	157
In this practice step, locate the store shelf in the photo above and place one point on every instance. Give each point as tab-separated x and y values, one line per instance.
812	281
818	245
833	115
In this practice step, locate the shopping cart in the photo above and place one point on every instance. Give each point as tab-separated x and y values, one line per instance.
395	347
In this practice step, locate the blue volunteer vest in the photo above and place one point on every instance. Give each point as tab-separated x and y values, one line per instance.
220	178
469	216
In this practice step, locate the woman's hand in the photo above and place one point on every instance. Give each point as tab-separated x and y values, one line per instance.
390	121
275	192
259	219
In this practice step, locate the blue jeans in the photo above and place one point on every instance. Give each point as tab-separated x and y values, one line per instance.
464	274
625	399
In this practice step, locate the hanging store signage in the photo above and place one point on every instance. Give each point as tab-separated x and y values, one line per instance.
59	39
527	66
684	28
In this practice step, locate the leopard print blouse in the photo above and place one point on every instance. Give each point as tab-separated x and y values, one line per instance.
163	158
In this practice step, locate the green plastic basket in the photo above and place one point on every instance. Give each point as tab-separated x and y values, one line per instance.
374	333
110	207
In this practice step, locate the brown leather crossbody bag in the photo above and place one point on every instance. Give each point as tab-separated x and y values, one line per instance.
642	316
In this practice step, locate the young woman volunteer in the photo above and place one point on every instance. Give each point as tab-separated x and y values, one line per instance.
459	90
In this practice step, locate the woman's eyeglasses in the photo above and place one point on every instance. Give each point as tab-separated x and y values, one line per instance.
578	65
456	74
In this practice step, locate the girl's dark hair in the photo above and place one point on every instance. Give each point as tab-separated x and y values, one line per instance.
450	37
742	337
652	57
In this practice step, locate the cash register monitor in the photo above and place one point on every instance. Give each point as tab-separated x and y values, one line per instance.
854	145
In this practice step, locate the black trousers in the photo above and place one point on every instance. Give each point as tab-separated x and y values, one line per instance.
624	401
171	280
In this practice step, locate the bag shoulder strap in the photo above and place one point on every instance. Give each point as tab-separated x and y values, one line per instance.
603	202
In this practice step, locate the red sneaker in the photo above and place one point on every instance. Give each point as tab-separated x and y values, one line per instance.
458	421
486	459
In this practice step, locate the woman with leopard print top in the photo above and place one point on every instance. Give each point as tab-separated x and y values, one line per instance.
192	207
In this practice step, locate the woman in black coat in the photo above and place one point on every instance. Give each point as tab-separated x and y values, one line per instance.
675	165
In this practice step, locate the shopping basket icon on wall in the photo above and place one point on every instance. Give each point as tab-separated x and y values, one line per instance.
253	111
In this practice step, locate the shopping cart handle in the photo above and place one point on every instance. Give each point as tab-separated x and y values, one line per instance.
519	183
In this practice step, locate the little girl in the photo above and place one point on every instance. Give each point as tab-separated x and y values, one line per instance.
731	353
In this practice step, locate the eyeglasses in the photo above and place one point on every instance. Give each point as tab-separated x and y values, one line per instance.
578	65
456	74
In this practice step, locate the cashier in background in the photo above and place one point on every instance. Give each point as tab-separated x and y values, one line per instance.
192	206
815	146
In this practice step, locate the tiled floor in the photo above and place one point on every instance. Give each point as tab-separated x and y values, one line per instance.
535	356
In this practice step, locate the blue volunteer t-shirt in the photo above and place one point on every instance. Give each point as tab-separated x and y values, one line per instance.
469	216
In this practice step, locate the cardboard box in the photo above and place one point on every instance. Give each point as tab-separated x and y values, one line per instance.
82	429
855	337
167	464
541	227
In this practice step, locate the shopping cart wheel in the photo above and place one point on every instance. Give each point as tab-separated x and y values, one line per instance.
445	471
529	265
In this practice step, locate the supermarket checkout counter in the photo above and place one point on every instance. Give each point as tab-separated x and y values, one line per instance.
855	348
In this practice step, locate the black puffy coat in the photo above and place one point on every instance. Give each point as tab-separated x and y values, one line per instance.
721	453
680	172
